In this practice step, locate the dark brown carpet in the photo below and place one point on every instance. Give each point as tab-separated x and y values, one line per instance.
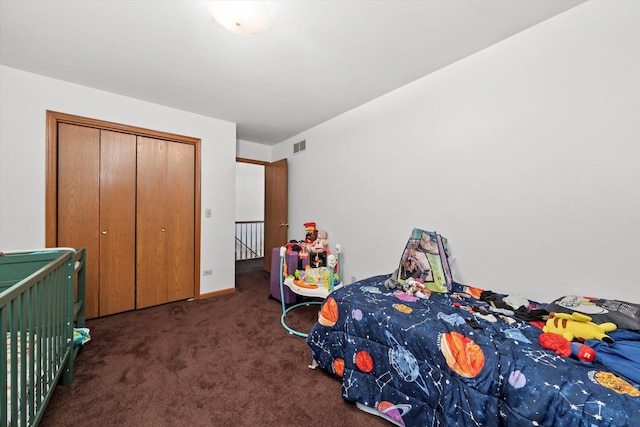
223	361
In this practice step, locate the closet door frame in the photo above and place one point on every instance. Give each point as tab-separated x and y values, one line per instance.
51	190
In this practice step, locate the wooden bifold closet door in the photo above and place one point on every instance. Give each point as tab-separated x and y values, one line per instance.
165	222
130	200
96	210
117	222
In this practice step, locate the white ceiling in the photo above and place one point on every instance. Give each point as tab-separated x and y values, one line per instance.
319	58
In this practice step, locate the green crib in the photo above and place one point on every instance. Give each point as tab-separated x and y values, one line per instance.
41	301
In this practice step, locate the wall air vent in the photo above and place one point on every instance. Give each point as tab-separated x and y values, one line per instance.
299	146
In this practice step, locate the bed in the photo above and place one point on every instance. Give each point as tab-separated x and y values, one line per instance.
41	311
419	357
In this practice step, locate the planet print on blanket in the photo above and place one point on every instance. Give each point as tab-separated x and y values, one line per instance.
406	364
395	412
338	367
402	308
363	361
462	354
615	383
517	379
328	313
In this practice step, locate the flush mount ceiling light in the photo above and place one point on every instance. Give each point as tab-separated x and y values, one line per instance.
247	18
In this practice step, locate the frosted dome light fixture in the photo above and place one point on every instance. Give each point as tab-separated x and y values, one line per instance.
247	18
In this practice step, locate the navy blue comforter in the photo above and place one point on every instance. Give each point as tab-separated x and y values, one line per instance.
429	362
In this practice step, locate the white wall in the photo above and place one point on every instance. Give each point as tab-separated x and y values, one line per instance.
525	155
249	192
24	99
253	150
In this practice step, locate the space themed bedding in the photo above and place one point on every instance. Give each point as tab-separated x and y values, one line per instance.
444	360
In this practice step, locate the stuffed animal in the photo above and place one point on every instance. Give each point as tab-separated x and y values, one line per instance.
410	287
312	232
562	347
578	326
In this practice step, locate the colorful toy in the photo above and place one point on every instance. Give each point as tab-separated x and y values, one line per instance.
313	277
312	232
578	326
410	287
318	250
321	241
329	265
562	347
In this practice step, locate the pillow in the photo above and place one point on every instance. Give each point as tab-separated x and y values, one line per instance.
624	314
425	259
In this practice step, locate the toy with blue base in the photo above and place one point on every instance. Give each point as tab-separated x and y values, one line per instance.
315	289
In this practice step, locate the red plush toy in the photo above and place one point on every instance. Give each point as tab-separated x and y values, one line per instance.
312	232
562	347
583	352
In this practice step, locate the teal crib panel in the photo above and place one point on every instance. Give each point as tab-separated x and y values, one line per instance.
37	314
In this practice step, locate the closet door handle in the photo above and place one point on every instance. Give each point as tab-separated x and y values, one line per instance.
163	229
284	225
104	231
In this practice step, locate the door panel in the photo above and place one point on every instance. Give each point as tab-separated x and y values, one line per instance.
117	222
165	225
275	208
78	215
150	221
180	229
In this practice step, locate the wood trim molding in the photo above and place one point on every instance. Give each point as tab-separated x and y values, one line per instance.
217	293
51	186
255	162
51	174
117	127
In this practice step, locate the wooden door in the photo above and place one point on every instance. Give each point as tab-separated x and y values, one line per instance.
78	203
165	222
117	222
275	208
180	220
96	210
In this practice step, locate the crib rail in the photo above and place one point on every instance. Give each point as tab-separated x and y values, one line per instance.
36	319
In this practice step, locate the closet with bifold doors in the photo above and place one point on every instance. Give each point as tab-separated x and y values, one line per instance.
131	199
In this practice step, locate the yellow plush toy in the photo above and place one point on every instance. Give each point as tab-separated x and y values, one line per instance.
578	325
